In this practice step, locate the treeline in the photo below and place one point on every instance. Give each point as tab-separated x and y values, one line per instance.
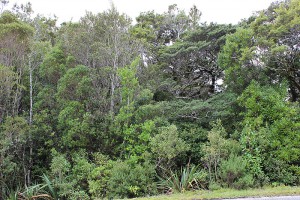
104	108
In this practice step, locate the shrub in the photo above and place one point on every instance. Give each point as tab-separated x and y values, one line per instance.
99	176
279	171
70	179
214	186
128	181
234	174
188	178
167	145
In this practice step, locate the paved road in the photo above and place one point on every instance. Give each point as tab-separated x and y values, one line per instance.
269	198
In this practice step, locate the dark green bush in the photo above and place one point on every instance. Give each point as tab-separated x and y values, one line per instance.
234	173
128	181
278	171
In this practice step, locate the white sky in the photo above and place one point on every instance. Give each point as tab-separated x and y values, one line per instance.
220	11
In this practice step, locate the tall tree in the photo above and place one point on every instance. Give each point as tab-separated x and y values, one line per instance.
15	38
192	63
13	153
194	17
267	51
107	47
9	92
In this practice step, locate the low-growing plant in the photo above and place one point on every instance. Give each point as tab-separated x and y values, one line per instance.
35	191
50	187
214	186
188	178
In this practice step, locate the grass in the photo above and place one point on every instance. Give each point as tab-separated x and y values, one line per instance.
229	193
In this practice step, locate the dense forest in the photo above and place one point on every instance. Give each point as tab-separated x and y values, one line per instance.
111	108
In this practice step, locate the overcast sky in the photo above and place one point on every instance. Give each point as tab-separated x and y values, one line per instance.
220	11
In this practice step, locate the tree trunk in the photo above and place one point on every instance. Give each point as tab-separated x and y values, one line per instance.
30	124
24	167
112	93
213	84
30	93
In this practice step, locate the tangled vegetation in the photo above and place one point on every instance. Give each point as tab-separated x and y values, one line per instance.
102	108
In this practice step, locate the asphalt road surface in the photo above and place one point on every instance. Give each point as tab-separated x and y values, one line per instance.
269	198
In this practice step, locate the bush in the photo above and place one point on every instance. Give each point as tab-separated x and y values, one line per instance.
214	186
279	171
244	182
99	176
70	179
128	181
188	178
76	195
167	145
234	174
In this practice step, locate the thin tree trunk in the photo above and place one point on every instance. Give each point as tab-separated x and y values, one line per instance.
113	80
31	91
24	168
112	93
2	186
209	171
213	84
30	124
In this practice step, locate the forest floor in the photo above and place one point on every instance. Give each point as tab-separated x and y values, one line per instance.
229	193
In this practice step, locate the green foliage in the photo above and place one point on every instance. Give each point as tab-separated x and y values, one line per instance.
254	144
103	107
233	172
270	124
166	145
129	81
265	103
129	87
99	176
137	138
266	51
81	169
188	178
60	166
14	137
50	186
10	25
191	64
74	124
145	97
198	112
130	181
9	87
214	186
279	171
34	191
75	85
136	135
237	60
60	171
70	179
53	66
193	135
217	149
